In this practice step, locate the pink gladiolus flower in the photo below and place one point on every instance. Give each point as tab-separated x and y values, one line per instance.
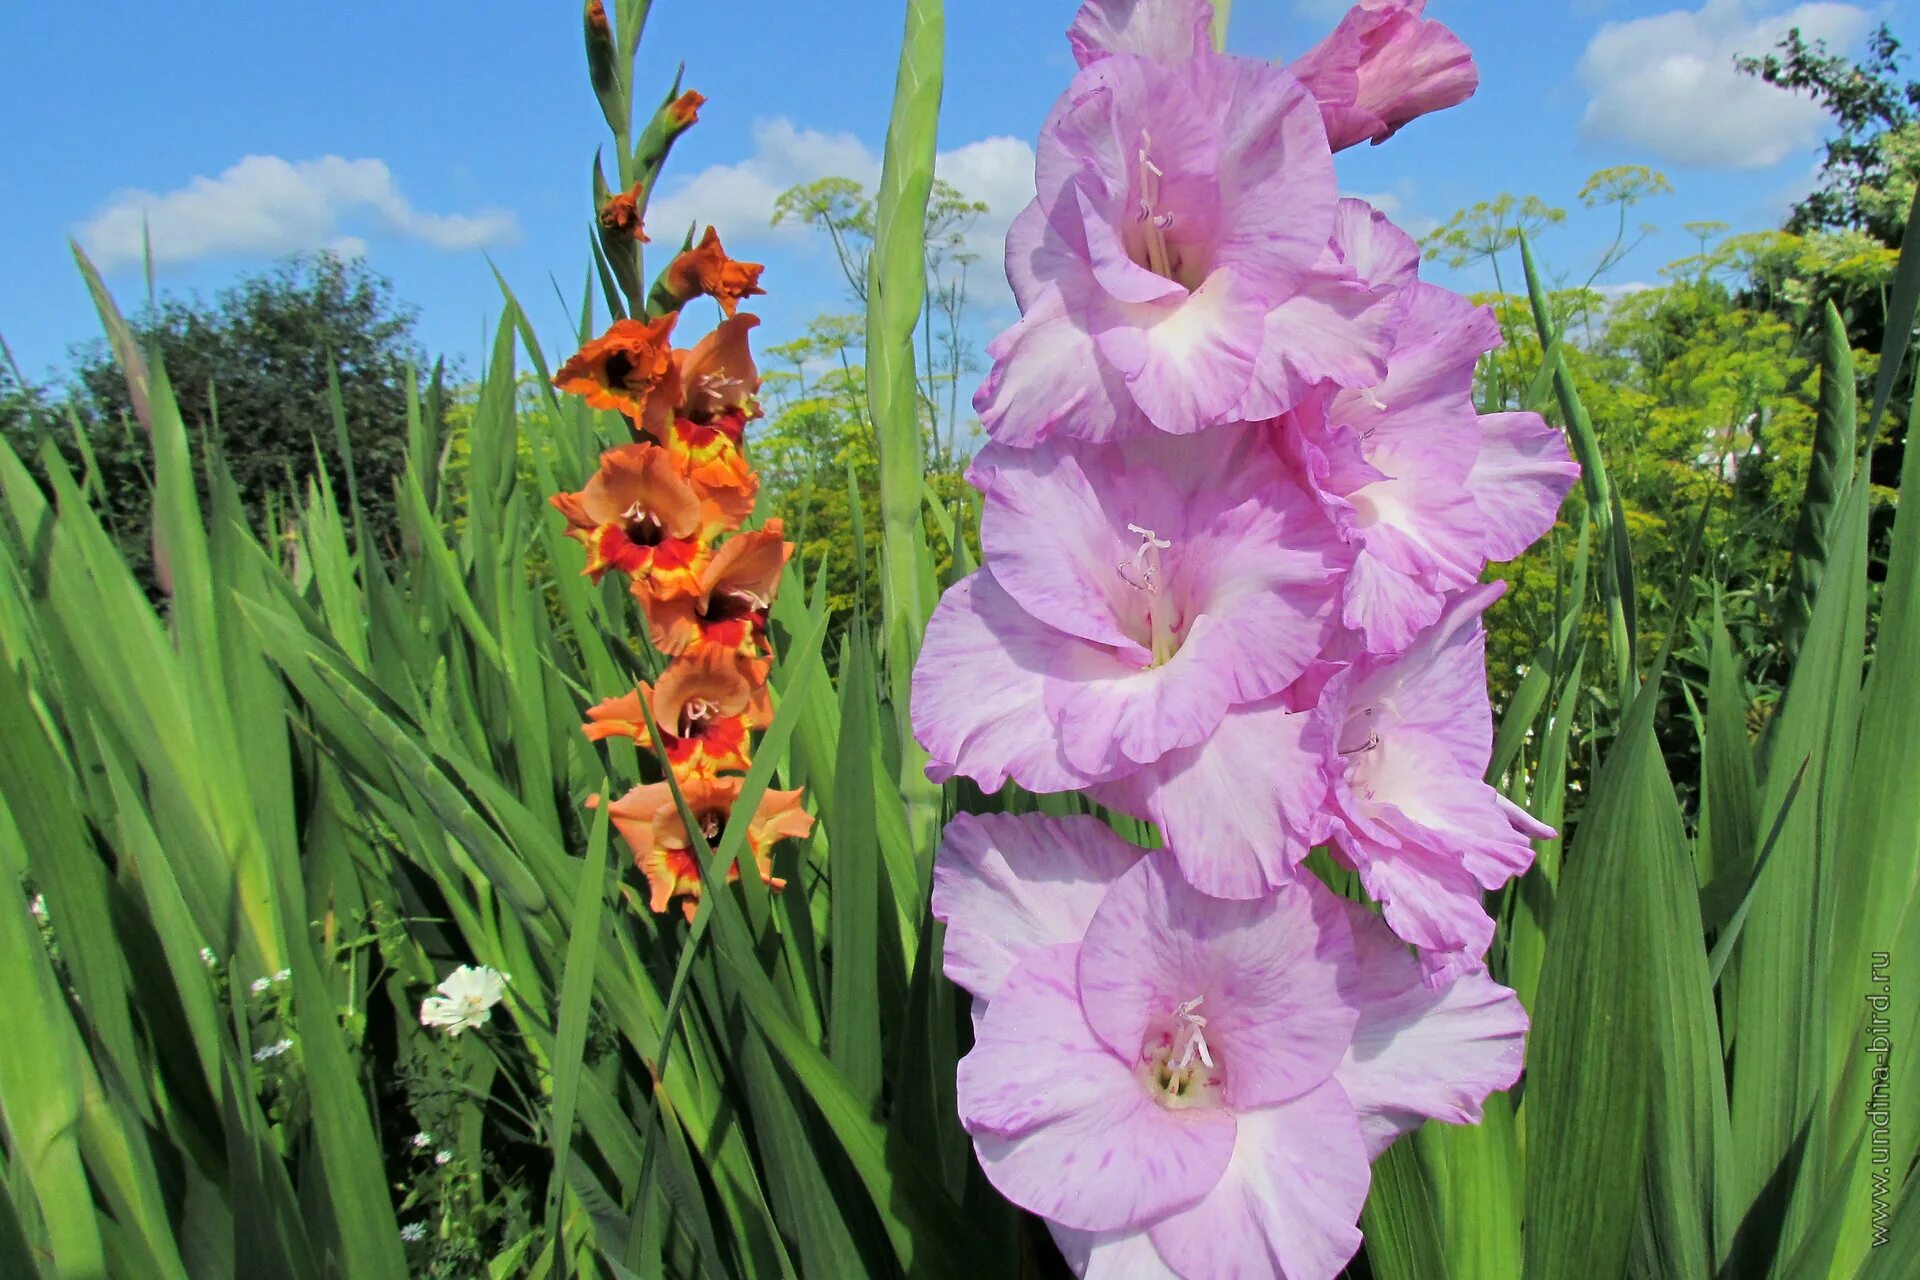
1413	735
1186	1086
1383	66
1180	207
1427	489
1144	608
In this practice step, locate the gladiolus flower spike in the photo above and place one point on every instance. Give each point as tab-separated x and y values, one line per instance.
1237	503
666	512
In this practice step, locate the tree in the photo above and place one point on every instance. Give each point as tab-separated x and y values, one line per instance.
841	208
252	372
1867	178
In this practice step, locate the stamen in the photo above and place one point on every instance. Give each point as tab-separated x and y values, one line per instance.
1143	571
1190	1031
1156	221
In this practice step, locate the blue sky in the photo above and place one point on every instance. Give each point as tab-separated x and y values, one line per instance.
430	136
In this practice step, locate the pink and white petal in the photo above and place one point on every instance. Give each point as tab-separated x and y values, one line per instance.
1111	1255
1164	30
1244	808
1277	189
1436	687
1524	823
1418	523
1007	885
1427	397
1454	813
1389	607
1335	329
1266	972
1046	378
1187	363
1039	259
1065	1129
1265	574
1053	543
1288	1203
1370	246
1422	1053
1428	901
1521	476
980	691
1110	714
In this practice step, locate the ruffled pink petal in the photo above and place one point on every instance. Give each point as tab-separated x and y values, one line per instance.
1063	1127
1437	687
1340	325
1112	714
1046	377
1367	243
1388	607
1287	1204
1277	190
1425	406
1422	1053
980	691
1521	476
1055	541
1241	810
1427	899
1265	573
1164	30
1267	973
1007	885
1187	363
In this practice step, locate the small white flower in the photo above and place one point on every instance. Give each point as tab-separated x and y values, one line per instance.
414	1232
283	975
465	999
273	1050
443	1157
39	907
207	957
422	1140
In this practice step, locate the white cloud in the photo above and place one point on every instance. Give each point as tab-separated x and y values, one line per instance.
739	198
1668	83
267	205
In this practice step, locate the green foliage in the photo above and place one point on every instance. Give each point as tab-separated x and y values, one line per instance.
256	372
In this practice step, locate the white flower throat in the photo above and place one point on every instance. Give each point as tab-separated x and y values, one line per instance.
1178	1064
1145	573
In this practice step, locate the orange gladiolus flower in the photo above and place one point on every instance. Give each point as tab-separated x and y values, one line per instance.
650	823
597	18
729	611
707	269
705	705
638	515
630	368
685	109
718	375
620	215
